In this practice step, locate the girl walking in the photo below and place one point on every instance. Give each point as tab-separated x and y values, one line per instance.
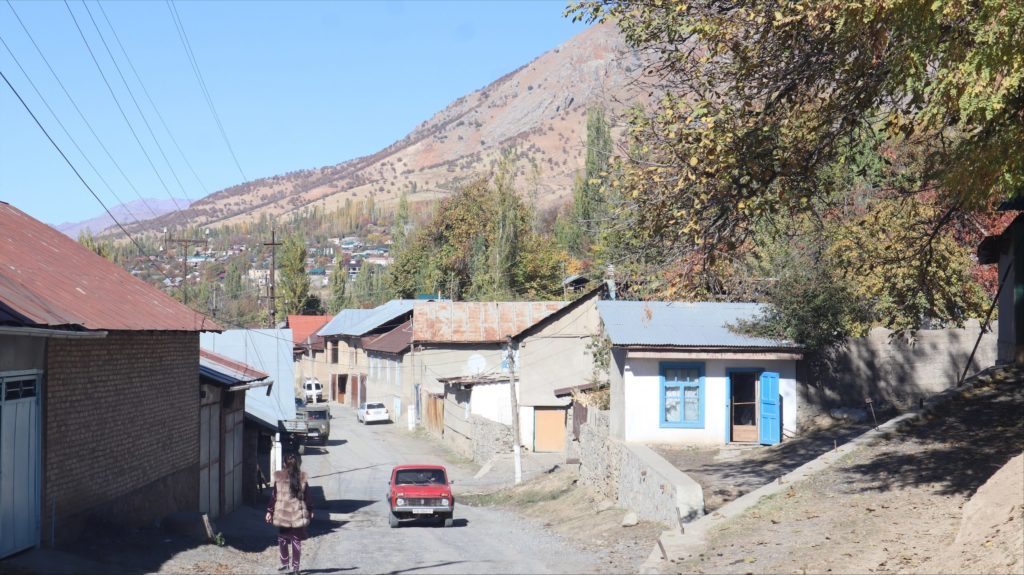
290	511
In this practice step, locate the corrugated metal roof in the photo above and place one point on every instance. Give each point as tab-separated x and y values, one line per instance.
48	279
231	371
394	341
682	324
476	322
268	350
344	321
381	315
303	326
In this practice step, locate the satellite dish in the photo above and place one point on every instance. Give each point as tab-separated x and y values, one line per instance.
476	364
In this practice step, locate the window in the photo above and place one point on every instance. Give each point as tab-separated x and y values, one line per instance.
334	351
682	395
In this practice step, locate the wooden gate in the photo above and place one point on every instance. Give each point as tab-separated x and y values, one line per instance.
433	415
549	429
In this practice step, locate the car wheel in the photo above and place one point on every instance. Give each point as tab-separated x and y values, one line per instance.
302	449
448	521
392	520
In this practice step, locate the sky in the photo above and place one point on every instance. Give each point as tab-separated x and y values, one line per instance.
295	85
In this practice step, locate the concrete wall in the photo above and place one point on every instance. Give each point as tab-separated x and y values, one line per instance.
556	356
634	476
617	393
20	352
471	435
893	372
433	362
389	380
642	399
492	401
121	429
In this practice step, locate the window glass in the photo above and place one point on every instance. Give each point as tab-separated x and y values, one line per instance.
672	403
691	403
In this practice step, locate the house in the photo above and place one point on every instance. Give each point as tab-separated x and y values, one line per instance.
460	363
269	351
553	354
85	350
389	379
344	336
222	458
1005	250
678	374
308	349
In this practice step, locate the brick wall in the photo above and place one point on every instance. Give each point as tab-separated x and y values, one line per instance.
121	429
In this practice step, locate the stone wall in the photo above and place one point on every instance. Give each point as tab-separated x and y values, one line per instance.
895	372
634	476
121	429
489	438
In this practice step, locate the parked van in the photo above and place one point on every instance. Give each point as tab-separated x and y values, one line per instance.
314	392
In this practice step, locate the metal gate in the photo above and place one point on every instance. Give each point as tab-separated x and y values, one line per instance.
209	460
20	460
232	461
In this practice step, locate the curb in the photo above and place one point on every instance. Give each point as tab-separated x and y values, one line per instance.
690	539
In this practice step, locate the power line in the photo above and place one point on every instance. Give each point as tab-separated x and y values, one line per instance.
66	132
183	36
138	108
118	103
153	104
72	166
79	110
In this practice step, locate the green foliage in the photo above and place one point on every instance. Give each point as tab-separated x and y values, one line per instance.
339	286
579	230
102	248
370	287
292	290
480	245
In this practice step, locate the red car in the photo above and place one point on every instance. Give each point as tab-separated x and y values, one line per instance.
420	491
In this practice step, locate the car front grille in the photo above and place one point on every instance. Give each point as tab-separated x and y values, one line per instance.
419	501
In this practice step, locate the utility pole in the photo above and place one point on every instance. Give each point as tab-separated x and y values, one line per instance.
516	455
270	280
184	263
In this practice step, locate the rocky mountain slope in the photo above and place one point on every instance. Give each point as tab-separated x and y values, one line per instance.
540	109
129	212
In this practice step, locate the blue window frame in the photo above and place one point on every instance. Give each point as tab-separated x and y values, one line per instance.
682	395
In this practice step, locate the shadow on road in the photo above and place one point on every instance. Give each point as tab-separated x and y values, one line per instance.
339	472
411	569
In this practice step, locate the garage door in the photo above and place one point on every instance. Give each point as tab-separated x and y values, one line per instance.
549	429
19	461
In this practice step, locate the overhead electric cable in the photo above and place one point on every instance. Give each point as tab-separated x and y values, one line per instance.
118	103
80	113
66	132
72	166
151	102
138	108
183	36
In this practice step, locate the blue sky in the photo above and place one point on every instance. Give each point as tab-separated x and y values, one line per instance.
296	85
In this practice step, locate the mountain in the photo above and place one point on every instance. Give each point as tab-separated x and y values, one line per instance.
540	109
138	210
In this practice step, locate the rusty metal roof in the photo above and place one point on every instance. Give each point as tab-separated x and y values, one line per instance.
476	322
48	279
394	341
223	368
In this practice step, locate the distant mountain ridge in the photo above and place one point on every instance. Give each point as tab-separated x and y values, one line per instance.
127	213
539	109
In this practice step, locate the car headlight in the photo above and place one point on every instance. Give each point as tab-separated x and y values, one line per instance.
400	502
444	502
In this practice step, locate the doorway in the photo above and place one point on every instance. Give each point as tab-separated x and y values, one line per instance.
743	412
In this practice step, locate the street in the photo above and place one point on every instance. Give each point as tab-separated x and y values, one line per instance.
350	475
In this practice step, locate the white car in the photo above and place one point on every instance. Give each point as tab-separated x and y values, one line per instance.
369	412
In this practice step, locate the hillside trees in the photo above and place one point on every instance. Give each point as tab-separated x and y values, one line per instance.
579	229
764	102
339	298
480	245
292	290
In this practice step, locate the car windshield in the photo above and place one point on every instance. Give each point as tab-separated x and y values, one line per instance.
420	477
374	406
316	415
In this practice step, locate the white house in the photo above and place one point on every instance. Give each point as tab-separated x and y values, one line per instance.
680	375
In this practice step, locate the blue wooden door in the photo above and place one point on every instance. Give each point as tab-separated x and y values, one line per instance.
771	409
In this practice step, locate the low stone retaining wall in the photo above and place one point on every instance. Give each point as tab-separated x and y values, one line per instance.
636	477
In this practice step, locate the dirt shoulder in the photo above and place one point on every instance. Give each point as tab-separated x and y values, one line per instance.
589	519
889	506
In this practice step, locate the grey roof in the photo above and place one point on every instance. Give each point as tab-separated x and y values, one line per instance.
367	320
681	324
270	351
344	321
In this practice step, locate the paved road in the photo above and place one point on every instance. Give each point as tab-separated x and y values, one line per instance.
351	476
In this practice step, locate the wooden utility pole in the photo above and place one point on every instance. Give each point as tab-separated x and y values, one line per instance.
184	263
270	279
516	455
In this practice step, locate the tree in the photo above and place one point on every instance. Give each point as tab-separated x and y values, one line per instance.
339	281
579	229
762	103
292	290
102	248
